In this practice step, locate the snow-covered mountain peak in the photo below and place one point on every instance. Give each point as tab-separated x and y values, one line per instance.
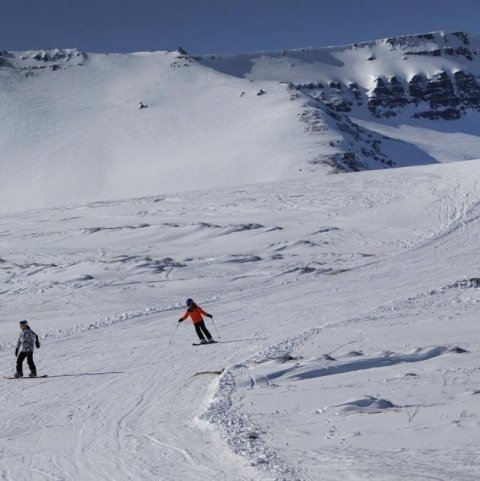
42	59
357	62
81	127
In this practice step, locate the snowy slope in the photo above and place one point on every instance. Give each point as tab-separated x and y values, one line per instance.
87	127
76	134
80	127
361	63
347	309
422	89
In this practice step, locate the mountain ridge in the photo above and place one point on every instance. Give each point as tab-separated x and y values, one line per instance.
80	127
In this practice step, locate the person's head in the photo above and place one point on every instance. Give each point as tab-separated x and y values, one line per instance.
23	325
189	302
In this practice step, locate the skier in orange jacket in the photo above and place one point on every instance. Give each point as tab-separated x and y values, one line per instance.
196	313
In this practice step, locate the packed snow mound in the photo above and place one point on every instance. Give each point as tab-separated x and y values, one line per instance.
267	371
367	404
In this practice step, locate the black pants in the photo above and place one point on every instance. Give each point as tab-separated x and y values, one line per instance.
21	357
201	330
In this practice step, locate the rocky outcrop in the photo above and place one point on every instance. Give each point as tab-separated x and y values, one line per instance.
442	96
387	96
438	97
469	87
435	44
447	94
356	149
50	59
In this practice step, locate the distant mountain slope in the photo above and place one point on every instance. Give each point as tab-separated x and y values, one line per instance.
80	127
435	75
423	89
74	132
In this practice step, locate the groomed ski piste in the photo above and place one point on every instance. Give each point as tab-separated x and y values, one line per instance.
347	310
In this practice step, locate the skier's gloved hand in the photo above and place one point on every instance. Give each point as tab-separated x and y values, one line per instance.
180	320
37	344
16	352
210	316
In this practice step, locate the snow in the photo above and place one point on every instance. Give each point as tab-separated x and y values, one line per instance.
345	306
348	62
76	134
442	142
81	127
346	309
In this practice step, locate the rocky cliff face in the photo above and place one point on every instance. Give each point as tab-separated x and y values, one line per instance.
446	94
442	96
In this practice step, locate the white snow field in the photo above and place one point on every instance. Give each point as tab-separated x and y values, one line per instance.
77	134
347	310
80	127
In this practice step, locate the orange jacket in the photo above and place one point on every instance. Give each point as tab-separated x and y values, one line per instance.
195	313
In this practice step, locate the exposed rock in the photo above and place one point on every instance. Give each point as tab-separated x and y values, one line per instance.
468	89
356	92
4	62
438	97
416	88
462	36
446	114
387	96
440	92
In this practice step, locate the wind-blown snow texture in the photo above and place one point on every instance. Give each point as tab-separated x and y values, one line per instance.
80	127
348	313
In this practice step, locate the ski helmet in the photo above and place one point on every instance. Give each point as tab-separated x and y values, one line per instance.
24	323
189	302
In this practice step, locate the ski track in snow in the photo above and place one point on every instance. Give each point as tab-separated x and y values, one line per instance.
342	330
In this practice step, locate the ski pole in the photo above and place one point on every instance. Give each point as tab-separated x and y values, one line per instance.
173	335
218	334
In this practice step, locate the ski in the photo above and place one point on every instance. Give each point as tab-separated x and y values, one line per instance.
26	377
204	344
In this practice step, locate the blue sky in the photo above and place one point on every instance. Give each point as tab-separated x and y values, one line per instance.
210	26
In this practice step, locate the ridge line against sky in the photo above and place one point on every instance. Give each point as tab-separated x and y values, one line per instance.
223	26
